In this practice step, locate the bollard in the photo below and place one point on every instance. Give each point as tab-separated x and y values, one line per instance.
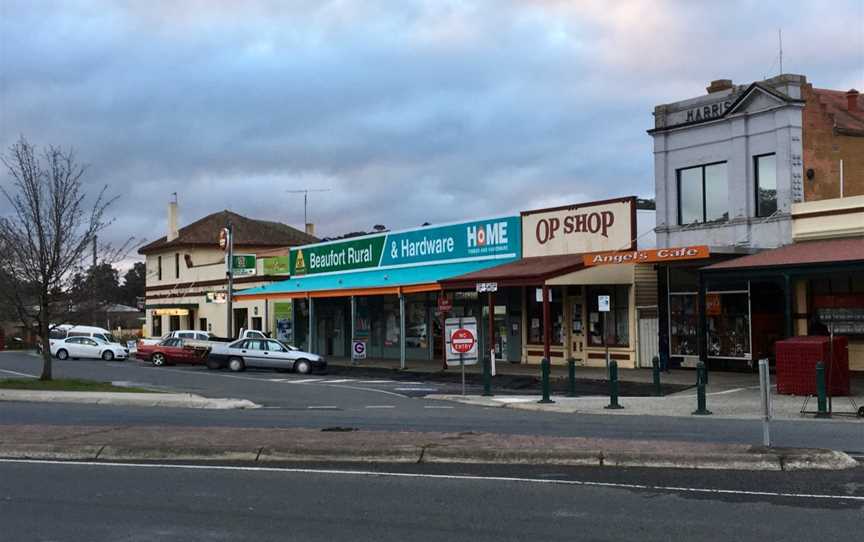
487	378
655	367
821	392
544	377
765	400
701	380
571	377
613	386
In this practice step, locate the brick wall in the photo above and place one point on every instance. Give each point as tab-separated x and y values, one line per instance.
824	148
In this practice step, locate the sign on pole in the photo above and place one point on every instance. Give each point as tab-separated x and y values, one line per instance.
223	238
487	287
461	341
243	265
358	349
603	303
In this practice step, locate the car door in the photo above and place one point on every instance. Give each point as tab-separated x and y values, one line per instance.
280	357
89	348
246	350
259	353
72	345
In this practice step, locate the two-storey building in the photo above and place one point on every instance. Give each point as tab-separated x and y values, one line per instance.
186	283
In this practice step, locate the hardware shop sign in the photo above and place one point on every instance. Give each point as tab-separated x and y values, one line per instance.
491	239
579	229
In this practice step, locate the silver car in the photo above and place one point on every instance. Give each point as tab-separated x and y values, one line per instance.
265	354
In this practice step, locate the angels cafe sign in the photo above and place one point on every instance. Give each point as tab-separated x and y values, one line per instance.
600	226
696	252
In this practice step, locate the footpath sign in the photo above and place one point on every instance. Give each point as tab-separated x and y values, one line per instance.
358	349
461	341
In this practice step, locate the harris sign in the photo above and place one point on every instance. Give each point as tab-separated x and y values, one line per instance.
492	239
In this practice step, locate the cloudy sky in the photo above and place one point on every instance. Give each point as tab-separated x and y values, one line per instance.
409	111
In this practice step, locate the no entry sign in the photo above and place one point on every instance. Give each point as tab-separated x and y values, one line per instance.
462	341
461	338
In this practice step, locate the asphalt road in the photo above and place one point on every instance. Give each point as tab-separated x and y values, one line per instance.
376	404
89	502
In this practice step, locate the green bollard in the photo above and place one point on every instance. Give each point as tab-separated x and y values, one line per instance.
821	392
655	368
701	408
487	378
613	386
544	377
571	377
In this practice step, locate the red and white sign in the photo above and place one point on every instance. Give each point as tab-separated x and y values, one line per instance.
462	341
444	304
223	238
579	229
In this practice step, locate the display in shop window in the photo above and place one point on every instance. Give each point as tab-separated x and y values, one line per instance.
683	324
729	332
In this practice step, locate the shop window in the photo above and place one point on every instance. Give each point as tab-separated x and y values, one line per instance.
416	325
765	167
683	324
611	328
202	324
174	323
535	315
156	325
728	320
703	194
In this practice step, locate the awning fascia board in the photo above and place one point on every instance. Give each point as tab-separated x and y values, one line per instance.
345	292
624	273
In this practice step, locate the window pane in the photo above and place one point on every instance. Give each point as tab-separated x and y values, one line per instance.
766	185
716	193
690	193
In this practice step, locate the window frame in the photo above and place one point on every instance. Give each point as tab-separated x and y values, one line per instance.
176	265
159	267
703	167
756	158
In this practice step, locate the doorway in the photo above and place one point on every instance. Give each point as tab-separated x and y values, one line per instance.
241	316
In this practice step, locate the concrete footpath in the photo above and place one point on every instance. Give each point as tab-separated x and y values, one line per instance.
337	445
172	400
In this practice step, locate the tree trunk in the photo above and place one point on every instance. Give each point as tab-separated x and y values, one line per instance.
46	345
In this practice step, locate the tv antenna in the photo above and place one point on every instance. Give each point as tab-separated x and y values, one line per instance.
305	192
780	40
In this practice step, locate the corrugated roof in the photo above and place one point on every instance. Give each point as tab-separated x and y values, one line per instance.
529	271
809	253
247	232
835	103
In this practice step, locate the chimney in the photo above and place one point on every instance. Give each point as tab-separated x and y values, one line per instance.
718	85
172	219
852	100
310	228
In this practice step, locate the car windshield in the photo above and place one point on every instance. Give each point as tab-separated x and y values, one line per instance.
99	340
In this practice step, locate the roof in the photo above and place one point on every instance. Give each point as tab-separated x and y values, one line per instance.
835	104
386	280
797	254
526	271
247	232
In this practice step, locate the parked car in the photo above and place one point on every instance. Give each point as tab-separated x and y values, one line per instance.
201	336
171	351
64	331
87	347
263	353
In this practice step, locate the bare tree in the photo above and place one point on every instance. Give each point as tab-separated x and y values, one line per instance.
47	235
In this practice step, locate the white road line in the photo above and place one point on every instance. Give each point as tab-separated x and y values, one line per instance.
375	381
277	380
416	389
339	381
437	407
322	407
17	373
373	474
380	406
304	381
374	390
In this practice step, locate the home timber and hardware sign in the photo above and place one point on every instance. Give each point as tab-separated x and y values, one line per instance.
276	265
659	255
577	229
496	238
243	265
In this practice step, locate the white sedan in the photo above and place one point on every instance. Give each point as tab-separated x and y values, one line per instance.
87	347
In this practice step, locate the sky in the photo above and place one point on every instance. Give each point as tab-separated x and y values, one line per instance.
405	111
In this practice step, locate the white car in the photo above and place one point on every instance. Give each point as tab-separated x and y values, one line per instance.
265	354
87	347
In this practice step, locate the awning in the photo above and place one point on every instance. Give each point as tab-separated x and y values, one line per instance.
525	272
377	282
811	254
622	273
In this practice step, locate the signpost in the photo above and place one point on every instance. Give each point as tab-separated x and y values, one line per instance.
358	349
461	340
226	242
490	288
603	303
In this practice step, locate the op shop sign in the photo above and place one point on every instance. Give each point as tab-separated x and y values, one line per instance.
491	239
577	229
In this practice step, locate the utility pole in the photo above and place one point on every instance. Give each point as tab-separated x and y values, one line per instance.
226	242
305	192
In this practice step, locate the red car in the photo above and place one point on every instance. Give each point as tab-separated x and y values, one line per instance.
170	351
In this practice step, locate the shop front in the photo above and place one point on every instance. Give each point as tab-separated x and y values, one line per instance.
377	296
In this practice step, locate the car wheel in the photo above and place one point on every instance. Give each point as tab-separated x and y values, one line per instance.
213	365
302	367
108	355
62	354
236	365
158	360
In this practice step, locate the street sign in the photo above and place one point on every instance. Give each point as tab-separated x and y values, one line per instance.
358	349
486	287
223	238
603	303
444	303
461	341
243	265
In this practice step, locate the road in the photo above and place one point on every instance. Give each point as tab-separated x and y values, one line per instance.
89	502
378	404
